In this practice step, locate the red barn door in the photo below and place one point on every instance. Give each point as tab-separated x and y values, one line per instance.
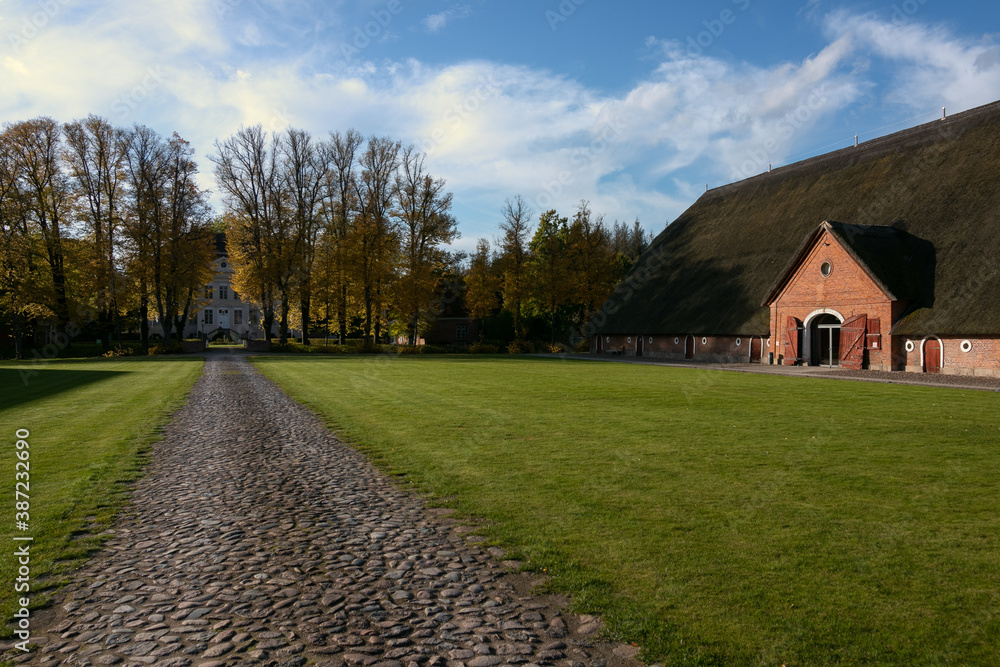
689	347
932	356
793	340
852	342
756	349
638	346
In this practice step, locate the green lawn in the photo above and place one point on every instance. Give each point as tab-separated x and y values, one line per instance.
90	423
712	517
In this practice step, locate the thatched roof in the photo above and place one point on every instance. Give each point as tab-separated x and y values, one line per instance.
927	195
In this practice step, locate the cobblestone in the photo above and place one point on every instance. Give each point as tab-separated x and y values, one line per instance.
257	538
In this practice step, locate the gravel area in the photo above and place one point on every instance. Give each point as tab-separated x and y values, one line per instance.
257	538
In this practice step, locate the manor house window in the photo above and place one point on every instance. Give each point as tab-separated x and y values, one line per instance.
223	292
208	291
209	317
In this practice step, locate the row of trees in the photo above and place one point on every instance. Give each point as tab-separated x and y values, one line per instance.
326	230
351	225
563	271
98	221
108	224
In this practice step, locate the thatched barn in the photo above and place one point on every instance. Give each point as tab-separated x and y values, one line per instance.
884	255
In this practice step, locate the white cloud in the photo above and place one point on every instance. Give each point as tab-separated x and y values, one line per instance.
436	22
933	67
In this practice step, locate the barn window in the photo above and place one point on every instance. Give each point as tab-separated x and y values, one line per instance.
677	341
739	341
910	347
608	339
704	341
966	346
628	340
826	269
650	340
461	332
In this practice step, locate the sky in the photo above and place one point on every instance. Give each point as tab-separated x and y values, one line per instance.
634	107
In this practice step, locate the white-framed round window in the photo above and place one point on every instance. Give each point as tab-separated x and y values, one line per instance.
629	340
966	346
607	339
910	347
650	340
704	341
223	265
677	341
826	269
739	341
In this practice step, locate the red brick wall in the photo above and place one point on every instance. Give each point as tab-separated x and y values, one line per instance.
848	291
982	359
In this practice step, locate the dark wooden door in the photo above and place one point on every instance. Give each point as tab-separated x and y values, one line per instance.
932	356
638	346
600	345
689	347
756	349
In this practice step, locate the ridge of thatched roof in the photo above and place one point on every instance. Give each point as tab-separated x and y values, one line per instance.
919	208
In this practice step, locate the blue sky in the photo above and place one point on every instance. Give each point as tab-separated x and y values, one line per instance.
634	106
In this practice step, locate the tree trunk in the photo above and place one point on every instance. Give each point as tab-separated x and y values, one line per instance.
18	345
144	320
368	314
283	323
305	306
342	315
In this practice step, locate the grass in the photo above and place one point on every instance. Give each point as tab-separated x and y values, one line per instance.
91	422
711	517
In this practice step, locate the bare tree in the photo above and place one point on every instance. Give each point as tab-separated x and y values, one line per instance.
339	210
248	174
376	237
306	172
36	149
427	224
95	155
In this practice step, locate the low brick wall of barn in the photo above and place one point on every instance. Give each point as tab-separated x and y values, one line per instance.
959	356
707	349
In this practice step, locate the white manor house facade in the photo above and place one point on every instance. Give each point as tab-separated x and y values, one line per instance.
222	312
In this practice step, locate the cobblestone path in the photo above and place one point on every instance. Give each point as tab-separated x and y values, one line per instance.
257	538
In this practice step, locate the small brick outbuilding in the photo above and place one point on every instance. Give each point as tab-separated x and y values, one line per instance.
884	255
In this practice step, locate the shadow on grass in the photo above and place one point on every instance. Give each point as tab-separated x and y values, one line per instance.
16	388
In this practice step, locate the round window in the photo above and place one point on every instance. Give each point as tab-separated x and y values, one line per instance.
704	341
910	347
223	265
677	341
629	340
966	346
739	341
826	269
608	339
650	340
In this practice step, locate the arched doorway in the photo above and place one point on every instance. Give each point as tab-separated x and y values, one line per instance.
689	347
932	355
824	335
756	349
